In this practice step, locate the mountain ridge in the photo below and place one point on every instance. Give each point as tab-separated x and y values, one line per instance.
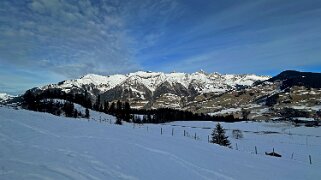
146	89
153	79
261	96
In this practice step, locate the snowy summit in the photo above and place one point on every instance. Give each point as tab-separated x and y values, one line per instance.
5	96
210	82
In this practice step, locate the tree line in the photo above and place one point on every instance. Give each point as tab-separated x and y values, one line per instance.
41	103
121	110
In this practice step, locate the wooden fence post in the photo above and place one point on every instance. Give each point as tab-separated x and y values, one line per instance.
161	130
195	136
184	132
255	150
310	159
172	131
237	147
292	156
208	138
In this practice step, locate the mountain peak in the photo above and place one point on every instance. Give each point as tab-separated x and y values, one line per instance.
5	96
202	81
201	71
291	78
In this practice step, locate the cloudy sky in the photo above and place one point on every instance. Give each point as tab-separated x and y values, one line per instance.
46	41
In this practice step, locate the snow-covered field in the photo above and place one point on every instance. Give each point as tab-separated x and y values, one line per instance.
294	143
42	146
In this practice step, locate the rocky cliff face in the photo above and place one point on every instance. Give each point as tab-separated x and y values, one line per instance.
289	95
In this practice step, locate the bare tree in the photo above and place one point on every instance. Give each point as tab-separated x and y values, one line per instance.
237	134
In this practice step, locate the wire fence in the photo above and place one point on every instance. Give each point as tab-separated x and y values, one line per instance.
203	134
194	133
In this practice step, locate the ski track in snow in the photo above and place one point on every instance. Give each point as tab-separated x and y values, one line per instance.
188	165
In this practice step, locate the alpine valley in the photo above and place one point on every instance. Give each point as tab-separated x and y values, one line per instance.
289	95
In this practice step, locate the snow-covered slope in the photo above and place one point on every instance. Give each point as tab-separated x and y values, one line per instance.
5	96
42	146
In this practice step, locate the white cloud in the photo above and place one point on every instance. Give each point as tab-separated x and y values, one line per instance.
66	34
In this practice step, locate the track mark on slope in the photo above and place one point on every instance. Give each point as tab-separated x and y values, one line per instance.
66	173
35	129
187	164
98	166
4	137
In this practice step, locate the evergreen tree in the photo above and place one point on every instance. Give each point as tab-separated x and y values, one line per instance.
118	120
79	114
87	102
119	106
144	118
69	109
30	101
218	136
126	112
137	119
106	106
112	108
58	112
97	104
149	118
75	113
87	113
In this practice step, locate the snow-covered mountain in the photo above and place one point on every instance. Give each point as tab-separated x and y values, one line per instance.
5	97
218	94
155	89
202	81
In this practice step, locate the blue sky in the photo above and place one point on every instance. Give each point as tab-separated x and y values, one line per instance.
46	41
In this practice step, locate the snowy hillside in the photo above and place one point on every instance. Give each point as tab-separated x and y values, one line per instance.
42	146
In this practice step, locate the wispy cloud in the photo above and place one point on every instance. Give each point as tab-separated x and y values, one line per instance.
233	37
74	34
66	39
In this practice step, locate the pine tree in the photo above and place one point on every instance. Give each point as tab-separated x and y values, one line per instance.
29	100
75	113
87	99
218	136
101	108
112	108
69	109
119	106
87	113
118	120
106	106
126	112
97	104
